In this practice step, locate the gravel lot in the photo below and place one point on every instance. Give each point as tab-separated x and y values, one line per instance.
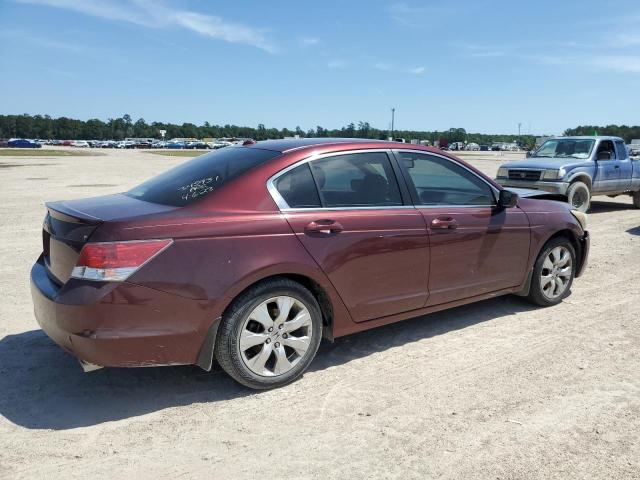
498	389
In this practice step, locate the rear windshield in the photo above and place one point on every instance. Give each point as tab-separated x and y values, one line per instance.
192	180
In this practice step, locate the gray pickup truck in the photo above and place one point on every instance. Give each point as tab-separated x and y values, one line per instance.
577	168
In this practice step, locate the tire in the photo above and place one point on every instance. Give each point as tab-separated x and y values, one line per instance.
260	358
549	269
579	196
636	199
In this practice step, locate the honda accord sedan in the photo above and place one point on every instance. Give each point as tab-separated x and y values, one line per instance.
251	254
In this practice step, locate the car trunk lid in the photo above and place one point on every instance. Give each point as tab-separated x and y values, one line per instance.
69	225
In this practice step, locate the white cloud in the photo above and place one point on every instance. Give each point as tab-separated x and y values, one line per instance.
309	41
615	63
415	15
159	15
626	40
337	64
619	63
388	67
385	67
17	35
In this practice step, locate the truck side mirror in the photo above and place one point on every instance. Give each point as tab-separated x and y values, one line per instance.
529	153
507	199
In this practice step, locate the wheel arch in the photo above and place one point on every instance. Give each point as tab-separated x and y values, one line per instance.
582	177
326	299
575	243
320	293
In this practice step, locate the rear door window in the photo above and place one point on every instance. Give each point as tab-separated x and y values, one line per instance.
356	180
194	179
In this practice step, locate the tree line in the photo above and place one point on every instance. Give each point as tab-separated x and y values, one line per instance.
64	128
624	131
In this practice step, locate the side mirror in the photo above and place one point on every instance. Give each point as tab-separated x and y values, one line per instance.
529	153
507	199
604	156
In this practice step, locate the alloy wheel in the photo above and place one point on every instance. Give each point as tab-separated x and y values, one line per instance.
275	336
557	269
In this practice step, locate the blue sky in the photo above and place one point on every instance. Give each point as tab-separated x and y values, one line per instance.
482	65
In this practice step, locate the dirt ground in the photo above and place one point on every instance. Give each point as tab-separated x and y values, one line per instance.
498	389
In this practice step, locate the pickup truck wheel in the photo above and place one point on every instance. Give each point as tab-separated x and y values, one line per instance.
579	196
553	272
270	334
636	199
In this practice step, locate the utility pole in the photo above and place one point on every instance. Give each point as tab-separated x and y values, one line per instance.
519	136
393	117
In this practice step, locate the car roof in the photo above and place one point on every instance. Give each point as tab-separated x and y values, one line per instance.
591	137
288	144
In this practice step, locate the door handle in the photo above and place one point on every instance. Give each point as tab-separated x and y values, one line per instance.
326	227
616	166
447	223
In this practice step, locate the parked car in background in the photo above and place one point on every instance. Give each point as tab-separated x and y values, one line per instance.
219	144
252	254
484	148
80	144
196	144
577	168
23	143
175	145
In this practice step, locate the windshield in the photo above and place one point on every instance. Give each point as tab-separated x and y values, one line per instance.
194	179
565	147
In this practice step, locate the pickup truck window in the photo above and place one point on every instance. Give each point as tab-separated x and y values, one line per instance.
621	149
607	146
560	147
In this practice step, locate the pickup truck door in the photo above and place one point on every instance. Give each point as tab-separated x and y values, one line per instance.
626	167
607	170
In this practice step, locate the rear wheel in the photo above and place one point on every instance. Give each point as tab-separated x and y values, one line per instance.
553	272
270	334
579	196
636	199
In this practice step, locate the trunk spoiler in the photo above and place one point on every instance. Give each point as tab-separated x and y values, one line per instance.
63	212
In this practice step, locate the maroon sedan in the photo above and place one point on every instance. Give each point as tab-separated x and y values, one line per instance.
252	254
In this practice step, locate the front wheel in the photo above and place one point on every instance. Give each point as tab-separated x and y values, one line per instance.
270	334
553	273
579	196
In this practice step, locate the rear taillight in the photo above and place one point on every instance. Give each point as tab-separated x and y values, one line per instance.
115	261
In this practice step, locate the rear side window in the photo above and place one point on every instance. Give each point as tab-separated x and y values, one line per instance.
297	188
356	180
192	180
621	149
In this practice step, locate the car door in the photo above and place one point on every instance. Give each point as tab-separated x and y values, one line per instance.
347	210
626	167
608	168
475	247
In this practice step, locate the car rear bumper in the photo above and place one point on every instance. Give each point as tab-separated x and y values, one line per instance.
559	188
119	324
